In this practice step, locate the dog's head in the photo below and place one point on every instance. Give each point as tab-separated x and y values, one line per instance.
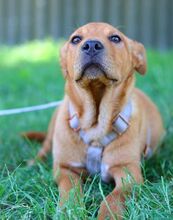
100	52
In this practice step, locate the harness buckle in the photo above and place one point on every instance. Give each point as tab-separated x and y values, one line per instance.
114	127
71	118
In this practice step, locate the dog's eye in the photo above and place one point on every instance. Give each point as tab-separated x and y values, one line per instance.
76	39
115	38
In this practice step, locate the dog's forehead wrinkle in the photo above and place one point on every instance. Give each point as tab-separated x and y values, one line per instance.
85	30
107	31
95	29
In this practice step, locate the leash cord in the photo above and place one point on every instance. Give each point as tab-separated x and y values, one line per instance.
30	108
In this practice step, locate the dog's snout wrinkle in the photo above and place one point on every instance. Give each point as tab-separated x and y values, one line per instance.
92	47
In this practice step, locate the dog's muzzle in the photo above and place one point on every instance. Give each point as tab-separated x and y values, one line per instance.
91	60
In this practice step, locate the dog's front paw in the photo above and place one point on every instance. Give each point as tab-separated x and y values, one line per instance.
111	208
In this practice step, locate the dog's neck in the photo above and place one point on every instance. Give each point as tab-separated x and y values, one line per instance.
97	105
97	91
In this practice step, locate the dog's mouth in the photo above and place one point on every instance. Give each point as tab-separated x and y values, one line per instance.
94	71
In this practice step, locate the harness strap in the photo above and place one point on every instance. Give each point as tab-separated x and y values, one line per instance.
93	159
119	126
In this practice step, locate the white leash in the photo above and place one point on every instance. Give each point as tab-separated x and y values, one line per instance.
30	108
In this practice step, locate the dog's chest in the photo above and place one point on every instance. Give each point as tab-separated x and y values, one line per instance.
95	164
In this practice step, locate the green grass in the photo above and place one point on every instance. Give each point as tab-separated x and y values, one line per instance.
30	75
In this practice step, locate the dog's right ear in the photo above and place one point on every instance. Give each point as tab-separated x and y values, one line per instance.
139	57
63	62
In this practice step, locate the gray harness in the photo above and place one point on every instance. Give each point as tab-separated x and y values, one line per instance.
94	152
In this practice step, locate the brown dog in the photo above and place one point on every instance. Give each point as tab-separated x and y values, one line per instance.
105	124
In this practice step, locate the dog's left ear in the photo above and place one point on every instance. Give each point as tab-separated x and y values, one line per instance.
139	57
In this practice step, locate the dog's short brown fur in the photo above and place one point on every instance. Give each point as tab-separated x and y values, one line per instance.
98	96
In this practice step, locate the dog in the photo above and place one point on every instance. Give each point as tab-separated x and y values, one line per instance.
105	125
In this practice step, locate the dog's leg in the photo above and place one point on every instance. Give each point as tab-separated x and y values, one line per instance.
47	144
124	177
67	180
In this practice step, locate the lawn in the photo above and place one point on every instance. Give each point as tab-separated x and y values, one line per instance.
29	75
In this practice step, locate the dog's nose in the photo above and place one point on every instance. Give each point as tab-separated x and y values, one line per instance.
92	47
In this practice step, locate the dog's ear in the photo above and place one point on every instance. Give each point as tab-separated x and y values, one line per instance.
139	57
63	62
